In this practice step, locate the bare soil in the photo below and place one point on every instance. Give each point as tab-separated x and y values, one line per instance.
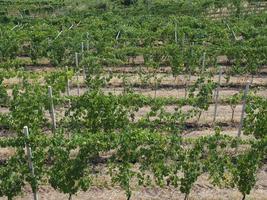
202	190
163	79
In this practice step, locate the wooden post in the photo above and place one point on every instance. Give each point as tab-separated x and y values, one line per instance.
175	34
118	35
52	110
77	73
243	109
82	48
87	42
76	60
29	155
231	31
203	62
68	87
58	34
15	27
68	83
71	27
84	74
217	95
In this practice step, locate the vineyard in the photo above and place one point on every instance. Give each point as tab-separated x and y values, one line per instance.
133	99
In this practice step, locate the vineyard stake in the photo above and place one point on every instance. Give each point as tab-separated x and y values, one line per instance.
71	27
156	85
68	83
15	27
58	34
118	35
217	95
231	31
29	155
82	47
77	74
243	109
84	75
203	62
175	34
87	42
68	87
52	110
76	60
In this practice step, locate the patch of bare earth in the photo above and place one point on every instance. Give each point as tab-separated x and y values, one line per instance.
202	190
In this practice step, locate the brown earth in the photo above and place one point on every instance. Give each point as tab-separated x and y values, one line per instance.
202	190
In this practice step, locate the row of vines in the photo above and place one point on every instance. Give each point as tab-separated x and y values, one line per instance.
73	139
